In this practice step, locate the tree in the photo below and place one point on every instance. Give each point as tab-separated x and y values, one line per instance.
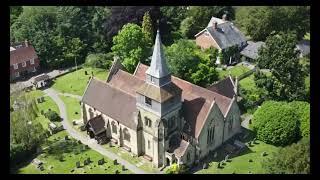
99	60
187	27
205	75
281	57
15	11
293	159
302	109
181	59
258	20
147	29
276	123
130	46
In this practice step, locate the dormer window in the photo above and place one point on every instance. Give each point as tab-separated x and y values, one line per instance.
147	101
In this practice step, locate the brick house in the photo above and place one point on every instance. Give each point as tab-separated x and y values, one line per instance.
221	34
23	60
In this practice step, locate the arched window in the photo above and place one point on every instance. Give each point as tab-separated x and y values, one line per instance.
210	135
114	127
126	134
230	123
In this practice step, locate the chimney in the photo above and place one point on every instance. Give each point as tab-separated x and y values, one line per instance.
215	25
26	43
224	17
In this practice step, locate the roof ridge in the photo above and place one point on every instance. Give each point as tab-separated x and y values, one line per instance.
109	85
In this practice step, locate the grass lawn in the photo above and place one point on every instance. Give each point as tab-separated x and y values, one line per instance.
235	71
241	164
73	107
146	166
76	82
71	152
248	83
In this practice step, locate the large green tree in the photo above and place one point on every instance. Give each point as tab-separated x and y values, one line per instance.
147	29
259	22
130	46
276	123
281	57
293	159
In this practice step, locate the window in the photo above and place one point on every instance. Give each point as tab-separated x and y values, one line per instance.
147	100
24	64
210	135
126	134
230	123
148	144
188	156
147	121
15	66
171	122
114	127
32	61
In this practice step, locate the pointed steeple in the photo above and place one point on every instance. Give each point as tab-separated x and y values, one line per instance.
158	67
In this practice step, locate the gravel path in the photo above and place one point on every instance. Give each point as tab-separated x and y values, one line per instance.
85	140
71	95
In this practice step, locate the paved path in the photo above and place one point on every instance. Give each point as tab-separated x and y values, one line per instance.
85	140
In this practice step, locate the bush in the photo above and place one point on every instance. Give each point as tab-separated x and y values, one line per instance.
52	116
276	123
99	60
175	169
303	111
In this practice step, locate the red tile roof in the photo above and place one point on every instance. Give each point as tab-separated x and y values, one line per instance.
179	152
224	87
22	54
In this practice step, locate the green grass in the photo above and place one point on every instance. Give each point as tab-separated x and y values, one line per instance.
76	82
248	83
235	71
68	149
307	82
73	106
241	164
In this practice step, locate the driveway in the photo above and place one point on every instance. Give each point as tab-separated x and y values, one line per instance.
84	139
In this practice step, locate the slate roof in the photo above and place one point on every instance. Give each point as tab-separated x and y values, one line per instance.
97	124
158	67
224	87
251	50
113	102
226	35
179	152
197	101
304	47
22	54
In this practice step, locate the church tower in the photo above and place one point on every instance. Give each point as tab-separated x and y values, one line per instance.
159	103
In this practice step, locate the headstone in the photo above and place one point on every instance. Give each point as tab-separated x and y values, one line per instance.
42	99
117	172
41	168
218	166
88	160
226	158
205	166
66	137
38	100
85	72
85	162
115	162
123	168
74	122
78	164
264	153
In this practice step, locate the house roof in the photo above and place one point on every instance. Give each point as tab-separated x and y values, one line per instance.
226	35
251	50
97	124
22	54
179	152
109	100
304	47
158	67
197	101
224	87
215	19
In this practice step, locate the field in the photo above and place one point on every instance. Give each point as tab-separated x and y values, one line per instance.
76	82
71	152
241	164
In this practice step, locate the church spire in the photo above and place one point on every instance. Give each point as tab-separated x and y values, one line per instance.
158	67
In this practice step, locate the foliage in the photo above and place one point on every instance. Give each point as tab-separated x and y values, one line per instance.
302	109
293	159
130	46
15	11
227	53
175	169
147	29
187	27
276	123
99	60
26	133
258	20
307	36
204	76
52	116
280	56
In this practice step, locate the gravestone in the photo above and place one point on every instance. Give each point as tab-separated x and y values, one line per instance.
123	168
38	100
85	73
41	168
218	166
264	153
88	159
42	99
205	166
117	172
226	158
66	137
101	161
85	162
115	162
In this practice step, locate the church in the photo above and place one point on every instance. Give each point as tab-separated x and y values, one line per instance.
163	118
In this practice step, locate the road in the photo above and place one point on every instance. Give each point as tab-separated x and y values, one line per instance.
85	140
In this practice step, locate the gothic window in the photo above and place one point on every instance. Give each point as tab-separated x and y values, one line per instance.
147	101
126	134
114	127
171	122
188	156
147	122
210	135
230	123
148	144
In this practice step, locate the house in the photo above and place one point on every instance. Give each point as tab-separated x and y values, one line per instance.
221	35
158	116
250	52
41	81
23	60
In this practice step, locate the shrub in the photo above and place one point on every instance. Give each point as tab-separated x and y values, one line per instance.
52	116
303	111
276	123
175	169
